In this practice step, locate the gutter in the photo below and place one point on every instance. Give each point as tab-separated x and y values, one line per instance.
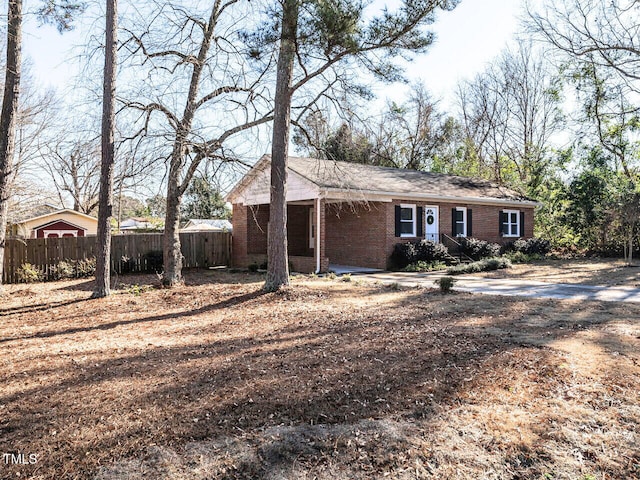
326	192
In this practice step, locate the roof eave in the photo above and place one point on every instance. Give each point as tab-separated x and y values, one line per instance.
246	179
372	195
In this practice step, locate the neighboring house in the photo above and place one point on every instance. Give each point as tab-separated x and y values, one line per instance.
209	225
58	223
353	214
141	225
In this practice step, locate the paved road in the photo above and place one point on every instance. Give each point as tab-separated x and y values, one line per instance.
513	287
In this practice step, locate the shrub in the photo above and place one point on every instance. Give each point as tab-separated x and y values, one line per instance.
253	268
520	257
136	289
428	251
27	273
445	284
86	267
537	246
63	270
484	265
405	254
153	261
479	249
422	266
532	246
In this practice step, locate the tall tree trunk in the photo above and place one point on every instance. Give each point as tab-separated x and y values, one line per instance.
278	261
8	116
103	255
172	254
171	240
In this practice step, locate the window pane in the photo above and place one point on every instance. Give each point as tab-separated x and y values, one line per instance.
514	217
459	215
406	227
514	229
406	214
459	228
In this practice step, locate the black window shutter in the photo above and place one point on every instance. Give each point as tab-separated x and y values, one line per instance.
501	223
469	223
521	232
453	222
398	229
419	225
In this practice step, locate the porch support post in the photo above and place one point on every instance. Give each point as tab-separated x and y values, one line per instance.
317	205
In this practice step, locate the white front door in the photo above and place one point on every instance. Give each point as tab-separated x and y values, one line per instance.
432	231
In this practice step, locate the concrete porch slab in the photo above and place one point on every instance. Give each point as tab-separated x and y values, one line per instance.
342	269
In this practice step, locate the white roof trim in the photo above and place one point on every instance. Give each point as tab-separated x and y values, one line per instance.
247	178
56	220
389	196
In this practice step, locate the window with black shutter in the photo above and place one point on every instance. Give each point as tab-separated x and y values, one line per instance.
406	220
459	221
510	223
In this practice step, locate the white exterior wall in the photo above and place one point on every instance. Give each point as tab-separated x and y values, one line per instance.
257	192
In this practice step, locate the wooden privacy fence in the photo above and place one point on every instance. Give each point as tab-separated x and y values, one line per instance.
129	253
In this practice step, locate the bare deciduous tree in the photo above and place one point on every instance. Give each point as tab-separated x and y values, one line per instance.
74	167
197	94
606	32
510	111
59	13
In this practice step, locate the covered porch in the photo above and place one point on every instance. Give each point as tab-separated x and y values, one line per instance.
322	235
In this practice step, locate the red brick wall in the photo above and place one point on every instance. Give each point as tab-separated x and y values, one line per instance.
298	230
250	225
355	234
485	222
360	235
257	225
239	236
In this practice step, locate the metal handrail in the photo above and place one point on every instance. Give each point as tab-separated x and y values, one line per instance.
461	255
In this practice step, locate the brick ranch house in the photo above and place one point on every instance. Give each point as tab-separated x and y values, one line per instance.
343	213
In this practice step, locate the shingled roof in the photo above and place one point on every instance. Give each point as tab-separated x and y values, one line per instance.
328	174
366	181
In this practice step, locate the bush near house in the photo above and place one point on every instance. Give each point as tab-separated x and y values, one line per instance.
519	257
532	246
422	266
479	249
484	265
408	253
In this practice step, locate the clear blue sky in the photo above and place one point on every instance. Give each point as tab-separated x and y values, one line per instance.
467	39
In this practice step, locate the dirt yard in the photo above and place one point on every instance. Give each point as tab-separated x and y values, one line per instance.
582	271
328	380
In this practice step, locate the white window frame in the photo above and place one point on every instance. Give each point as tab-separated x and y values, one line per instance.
509	223
414	220
312	228
464	222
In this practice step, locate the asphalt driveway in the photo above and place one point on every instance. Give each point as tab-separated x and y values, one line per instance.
512	287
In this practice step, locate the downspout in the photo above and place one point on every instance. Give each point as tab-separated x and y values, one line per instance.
318	257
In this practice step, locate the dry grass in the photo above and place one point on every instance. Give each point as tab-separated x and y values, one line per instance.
327	379
580	271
